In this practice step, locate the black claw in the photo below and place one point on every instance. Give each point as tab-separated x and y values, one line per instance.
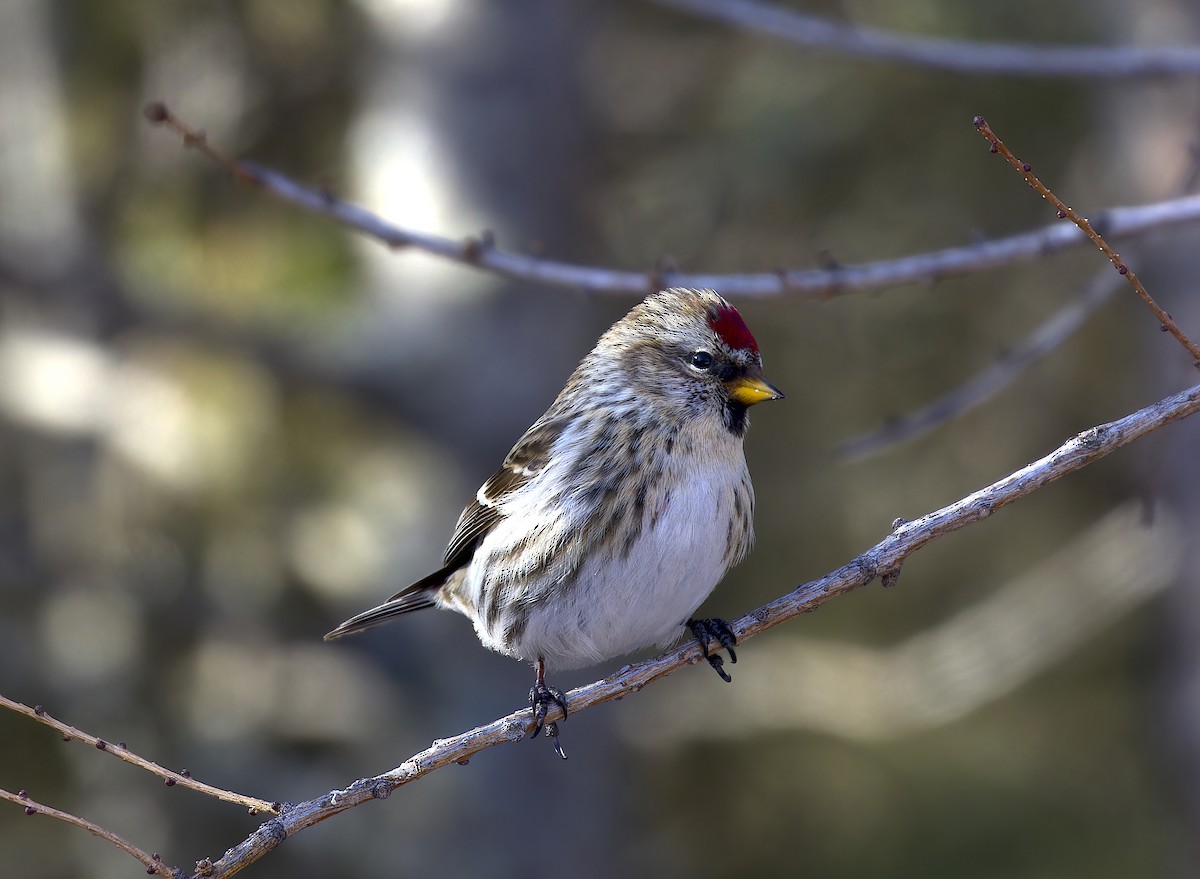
552	732
708	630
718	665
541	697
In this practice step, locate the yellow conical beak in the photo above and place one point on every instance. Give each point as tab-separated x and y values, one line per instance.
749	389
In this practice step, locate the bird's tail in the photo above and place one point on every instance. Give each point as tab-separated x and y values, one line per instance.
415	597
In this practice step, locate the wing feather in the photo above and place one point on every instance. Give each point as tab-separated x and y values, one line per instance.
525	461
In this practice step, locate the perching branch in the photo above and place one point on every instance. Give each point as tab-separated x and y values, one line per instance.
959	56
883	560
482	253
981	652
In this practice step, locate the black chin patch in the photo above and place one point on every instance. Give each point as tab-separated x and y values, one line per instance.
736	418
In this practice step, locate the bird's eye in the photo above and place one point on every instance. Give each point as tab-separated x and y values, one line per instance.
701	359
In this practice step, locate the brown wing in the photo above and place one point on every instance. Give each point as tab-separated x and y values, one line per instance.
525	461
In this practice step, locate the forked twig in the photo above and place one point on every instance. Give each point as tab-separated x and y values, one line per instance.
1064	212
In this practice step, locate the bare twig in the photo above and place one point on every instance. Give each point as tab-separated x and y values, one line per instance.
1067	213
973	58
482	253
985	385
883	560
152	862
947	670
183	779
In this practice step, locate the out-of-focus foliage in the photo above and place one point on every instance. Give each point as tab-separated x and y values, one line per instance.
225	425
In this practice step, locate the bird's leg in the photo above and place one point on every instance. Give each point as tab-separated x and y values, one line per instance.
541	697
715	629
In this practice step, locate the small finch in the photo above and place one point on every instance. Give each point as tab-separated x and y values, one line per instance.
619	510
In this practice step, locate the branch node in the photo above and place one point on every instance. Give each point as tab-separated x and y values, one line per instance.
898	523
891	576
867	566
204	867
472	250
1094	437
156	112
381	790
275	830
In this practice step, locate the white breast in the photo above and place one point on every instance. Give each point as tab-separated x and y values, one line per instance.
618	602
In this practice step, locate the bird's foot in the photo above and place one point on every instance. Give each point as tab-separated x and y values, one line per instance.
541	697
709	630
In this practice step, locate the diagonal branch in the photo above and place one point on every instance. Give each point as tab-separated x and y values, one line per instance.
1065	212
481	253
152	862
119	749
984	385
960	56
882	560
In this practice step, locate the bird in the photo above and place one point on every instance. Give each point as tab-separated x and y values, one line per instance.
619	510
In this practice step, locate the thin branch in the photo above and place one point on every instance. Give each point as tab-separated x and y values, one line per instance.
947	670
482	253
883	560
152	862
1065	212
985	385
183	779
960	56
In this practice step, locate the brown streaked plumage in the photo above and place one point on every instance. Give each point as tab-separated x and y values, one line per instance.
621	508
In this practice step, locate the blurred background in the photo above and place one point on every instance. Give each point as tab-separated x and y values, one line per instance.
225	425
